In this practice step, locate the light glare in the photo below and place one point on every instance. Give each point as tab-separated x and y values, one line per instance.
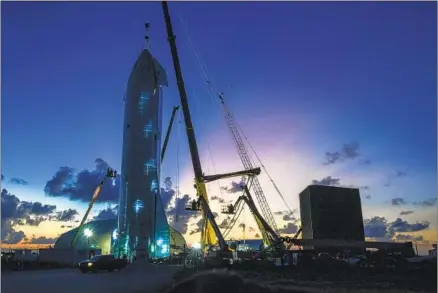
88	232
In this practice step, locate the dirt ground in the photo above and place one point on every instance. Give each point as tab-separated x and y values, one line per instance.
364	281
353	281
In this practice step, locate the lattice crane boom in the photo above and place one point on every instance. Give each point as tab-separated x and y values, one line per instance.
246	161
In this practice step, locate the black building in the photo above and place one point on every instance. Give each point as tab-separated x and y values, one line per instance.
329	212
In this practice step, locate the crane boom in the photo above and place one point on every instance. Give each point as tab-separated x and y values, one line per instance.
210	234
109	174
169	129
268	234
246	161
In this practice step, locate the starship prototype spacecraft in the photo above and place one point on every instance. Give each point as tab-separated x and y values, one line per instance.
143	230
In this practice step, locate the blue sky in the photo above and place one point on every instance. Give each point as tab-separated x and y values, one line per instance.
302	79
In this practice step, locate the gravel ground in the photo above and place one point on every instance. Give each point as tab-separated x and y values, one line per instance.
364	281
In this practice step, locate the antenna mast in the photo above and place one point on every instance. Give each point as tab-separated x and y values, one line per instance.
146	37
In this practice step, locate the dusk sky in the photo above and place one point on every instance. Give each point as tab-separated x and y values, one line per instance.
341	93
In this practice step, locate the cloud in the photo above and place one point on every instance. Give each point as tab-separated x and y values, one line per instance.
398	201
35	221
426	203
368	196
404	237
180	217
42	240
375	227
225	223
327	181
35	208
167	193
219	199
288	217
9	234
290	228
331	181
348	152
198	228
66	215
18	181
379	227
400	225
404	213
81	186
235	187
15	212
107	214
24	212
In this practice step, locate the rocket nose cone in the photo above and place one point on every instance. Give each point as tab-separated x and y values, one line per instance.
147	68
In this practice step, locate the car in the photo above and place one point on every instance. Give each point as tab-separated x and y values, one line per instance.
102	263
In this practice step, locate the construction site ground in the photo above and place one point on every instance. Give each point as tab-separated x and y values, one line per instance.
355	280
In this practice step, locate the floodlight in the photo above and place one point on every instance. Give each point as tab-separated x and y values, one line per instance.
88	233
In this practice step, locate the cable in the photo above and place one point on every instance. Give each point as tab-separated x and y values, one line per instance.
214	171
266	171
177	162
233	221
202	68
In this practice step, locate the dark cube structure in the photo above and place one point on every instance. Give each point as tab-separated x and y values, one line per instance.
329	212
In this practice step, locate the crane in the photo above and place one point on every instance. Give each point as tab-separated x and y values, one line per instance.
246	161
268	234
169	129
110	173
211	234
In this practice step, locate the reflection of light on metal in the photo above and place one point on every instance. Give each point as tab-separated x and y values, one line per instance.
147	129
164	248
114	182
160	242
149	166
144	97
88	233
115	234
197	246
96	192
138	205
154	185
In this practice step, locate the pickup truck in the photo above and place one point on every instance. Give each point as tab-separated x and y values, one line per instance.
102	263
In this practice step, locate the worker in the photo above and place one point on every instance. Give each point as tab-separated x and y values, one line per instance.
231	209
